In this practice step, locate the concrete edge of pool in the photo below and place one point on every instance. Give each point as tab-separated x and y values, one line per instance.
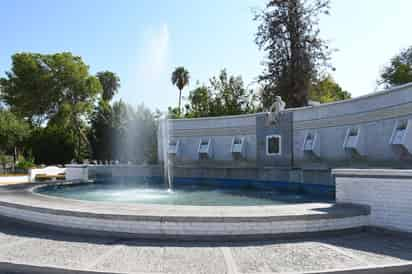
178	222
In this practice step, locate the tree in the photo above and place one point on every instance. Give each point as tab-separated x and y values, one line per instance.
135	132
123	133
226	95
230	95
101	132
289	33
146	129
327	90
180	78
52	145
28	88
52	88
110	83
200	102
108	127
2	105
174	112
4	161
13	131
398	71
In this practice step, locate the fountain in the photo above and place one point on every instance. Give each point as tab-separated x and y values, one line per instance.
282	184
168	174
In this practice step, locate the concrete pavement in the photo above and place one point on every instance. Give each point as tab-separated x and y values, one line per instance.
28	249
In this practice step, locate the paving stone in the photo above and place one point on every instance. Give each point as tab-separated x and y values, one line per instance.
75	255
182	259
375	249
289	257
8	239
28	245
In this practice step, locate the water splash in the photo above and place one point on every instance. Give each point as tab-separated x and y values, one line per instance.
167	170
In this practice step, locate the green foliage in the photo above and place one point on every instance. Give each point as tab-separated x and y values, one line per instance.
25	164
144	126
120	111
107	123
123	133
27	88
226	95
52	145
110	83
201	102
56	88
180	78
399	70
5	160
327	90
13	131
100	134
40	85
230	95
136	134
289	33
175	113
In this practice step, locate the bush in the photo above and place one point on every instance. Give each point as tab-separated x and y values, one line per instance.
25	164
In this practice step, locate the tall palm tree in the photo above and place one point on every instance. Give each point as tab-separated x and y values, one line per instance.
180	78
110	83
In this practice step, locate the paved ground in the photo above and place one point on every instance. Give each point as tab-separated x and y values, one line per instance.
26	245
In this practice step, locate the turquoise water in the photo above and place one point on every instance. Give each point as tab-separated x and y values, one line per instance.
141	192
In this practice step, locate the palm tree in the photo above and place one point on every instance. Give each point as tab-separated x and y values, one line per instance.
110	83
180	78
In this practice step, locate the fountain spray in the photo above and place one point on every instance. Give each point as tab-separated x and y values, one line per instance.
167	170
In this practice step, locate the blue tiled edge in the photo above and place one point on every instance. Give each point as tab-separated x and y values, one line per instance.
314	189
324	191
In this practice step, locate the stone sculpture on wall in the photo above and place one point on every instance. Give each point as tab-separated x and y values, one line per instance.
274	111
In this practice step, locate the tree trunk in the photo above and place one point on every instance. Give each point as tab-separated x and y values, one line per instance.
78	129
297	75
14	159
79	147
180	100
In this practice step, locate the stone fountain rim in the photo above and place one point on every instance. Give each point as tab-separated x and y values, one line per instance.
25	198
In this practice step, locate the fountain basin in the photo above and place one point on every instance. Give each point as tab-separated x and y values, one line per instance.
147	190
177	221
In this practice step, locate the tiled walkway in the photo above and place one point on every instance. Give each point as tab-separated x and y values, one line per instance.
25	245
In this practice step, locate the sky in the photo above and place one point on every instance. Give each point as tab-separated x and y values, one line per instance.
144	40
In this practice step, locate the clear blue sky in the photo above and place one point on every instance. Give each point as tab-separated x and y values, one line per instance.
143	40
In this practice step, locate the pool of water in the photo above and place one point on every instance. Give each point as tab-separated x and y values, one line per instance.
142	192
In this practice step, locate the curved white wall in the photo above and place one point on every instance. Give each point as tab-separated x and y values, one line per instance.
373	116
220	130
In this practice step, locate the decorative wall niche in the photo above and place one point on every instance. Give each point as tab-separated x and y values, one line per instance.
205	148
173	147
402	135
311	143
238	147
354	142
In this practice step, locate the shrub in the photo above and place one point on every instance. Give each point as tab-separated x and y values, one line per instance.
25	164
